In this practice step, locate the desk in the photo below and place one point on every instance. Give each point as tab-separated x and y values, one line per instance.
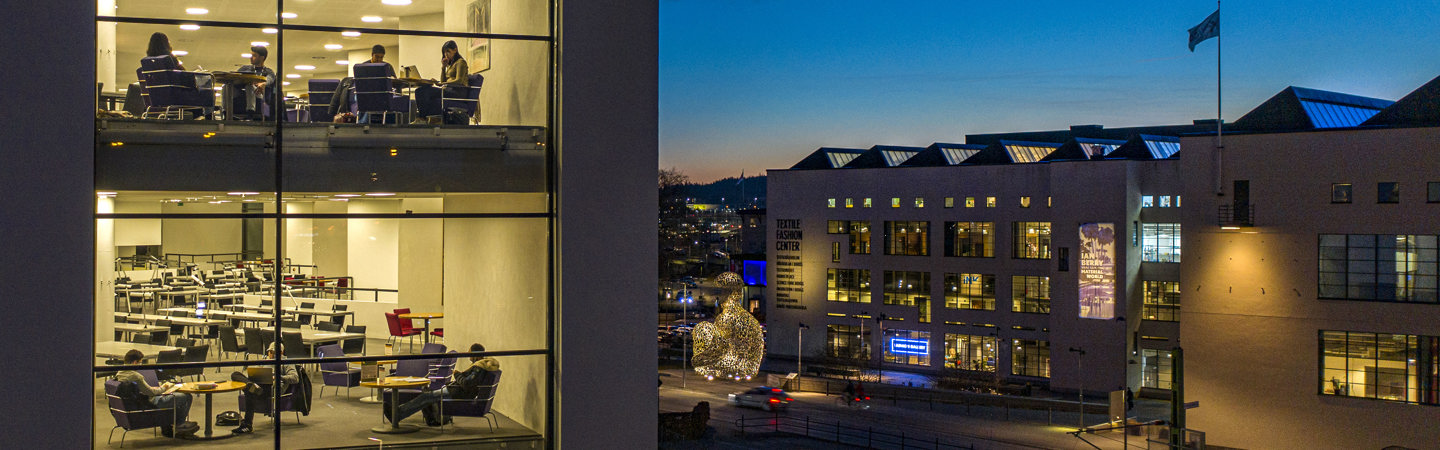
312	336
176	316
395	384
220	387
116	349
426	317
178	293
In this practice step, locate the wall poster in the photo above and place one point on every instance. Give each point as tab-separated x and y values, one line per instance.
1097	271
789	267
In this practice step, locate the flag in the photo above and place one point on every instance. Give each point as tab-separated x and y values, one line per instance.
742	177
1208	28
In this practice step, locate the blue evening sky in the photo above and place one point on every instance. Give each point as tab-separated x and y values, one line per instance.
753	84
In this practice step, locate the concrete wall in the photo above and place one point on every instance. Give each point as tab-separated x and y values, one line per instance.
515	83
1251	313
200	236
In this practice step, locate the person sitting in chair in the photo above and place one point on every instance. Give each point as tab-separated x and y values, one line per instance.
258	392
178	400
465	385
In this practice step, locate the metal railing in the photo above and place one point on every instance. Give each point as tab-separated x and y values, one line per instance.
840	433
1237	215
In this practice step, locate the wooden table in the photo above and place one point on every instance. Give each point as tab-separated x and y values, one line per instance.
381	366
312	336
395	384
220	387
117	349
426	317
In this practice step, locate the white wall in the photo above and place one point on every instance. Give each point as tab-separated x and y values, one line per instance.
200	236
105	270
515	84
132	232
330	245
300	234
420	51
421	256
374	245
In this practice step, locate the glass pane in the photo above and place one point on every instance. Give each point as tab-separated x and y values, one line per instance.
209	10
485	16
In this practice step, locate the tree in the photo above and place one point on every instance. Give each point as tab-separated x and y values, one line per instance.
676	233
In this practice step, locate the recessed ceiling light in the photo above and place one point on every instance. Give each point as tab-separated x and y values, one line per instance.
259	44
269	30
350	33
292	75
339	199
242	193
244	55
347	195
288	15
284	83
396	2
333	46
105	193
343	62
380	194
196	11
371	19
189	27
179	52
304	67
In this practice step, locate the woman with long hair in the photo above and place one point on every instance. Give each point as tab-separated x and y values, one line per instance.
160	46
455	73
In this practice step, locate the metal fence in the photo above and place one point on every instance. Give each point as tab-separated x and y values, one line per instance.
840	433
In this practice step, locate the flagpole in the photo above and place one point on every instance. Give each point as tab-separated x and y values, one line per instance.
1219	118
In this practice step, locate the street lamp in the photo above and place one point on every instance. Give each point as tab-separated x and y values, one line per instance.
880	324
863	346
800	347
1080	365
685	301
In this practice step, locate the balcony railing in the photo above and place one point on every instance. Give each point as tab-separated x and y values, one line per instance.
1237	215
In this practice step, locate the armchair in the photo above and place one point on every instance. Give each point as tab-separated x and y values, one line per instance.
131	415
478	406
464	97
171	91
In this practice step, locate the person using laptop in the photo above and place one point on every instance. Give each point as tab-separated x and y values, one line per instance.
260	385
162	396
455	74
464	385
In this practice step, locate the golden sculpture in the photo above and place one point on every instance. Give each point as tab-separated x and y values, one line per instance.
733	344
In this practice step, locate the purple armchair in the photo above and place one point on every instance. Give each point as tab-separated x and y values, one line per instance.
289	401
337	374
130	415
479	406
464	97
170	91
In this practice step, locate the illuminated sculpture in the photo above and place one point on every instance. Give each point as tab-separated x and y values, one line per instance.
733	345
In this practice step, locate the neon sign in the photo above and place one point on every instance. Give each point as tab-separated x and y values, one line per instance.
903	346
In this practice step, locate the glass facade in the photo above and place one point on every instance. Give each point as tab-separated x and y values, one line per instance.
907	347
847	285
1158	368
1030	358
1395	367
1162	301
970	239
1384	267
288	177
970	291
909	238
1031	240
1030	294
1160	242
906	288
969	352
845	341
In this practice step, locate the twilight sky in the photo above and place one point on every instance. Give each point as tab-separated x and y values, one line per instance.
758	84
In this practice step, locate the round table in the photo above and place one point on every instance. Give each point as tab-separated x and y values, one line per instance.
395	384
220	386
376	398
426	317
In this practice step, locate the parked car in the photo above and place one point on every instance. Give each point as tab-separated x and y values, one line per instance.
763	397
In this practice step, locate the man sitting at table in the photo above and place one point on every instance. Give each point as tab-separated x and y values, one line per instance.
465	385
178	400
257	393
258	90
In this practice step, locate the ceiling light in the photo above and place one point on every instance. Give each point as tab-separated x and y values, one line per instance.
304	67
288	15
242	193
105	194
244	55
196	11
179	52
269	30
284	83
189	27
396	2
343	62
292	75
333	46
371	19
259	44
380	194
347	195
350	33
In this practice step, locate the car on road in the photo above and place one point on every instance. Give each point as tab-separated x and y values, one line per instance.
763	397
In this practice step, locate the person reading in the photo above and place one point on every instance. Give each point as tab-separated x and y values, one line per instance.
163	396
464	385
259	386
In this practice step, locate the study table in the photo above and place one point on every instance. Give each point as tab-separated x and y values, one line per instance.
426	317
220	387
117	349
395	384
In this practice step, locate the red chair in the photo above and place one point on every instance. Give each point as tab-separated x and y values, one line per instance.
405	324
397	331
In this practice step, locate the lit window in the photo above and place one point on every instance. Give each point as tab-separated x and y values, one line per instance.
970	239
989	202
848	285
1158	368
829	203
968	352
894	202
1030	294
1030	358
1177	201
906	288
1160	242
1164	201
835	252
970	291
913	347
907	238
1147	201
1340	193
969	202
919	202
949	202
1162	301
849	203
1388	192
1381	366
1049	204
1024	202
1031	240
867	202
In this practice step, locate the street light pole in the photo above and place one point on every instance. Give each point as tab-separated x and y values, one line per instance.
800	347
1080	365
863	344
685	320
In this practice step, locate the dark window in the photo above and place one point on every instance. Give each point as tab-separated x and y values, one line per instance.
905	288
1432	192
1030	358
1386	267
970	239
1340	193
907	238
1030	294
845	341
1388	192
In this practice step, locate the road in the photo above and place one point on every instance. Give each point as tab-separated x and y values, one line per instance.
984	428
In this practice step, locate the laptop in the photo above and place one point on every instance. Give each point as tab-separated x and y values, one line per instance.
409	72
260	375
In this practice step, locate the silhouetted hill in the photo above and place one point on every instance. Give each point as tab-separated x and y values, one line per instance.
727	191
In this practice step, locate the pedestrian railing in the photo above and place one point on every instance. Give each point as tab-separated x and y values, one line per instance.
859	435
